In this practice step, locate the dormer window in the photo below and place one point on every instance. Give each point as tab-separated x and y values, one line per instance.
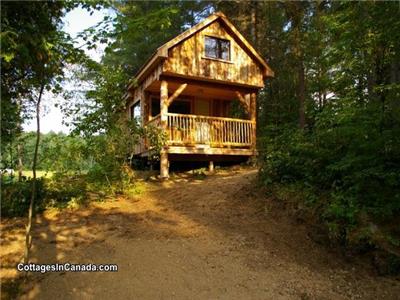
217	48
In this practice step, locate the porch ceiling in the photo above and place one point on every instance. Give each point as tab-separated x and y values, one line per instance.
199	89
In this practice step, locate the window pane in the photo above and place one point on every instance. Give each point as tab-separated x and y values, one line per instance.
224	49
217	48
211	46
135	112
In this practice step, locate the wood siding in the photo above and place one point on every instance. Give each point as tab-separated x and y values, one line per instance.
188	59
139	94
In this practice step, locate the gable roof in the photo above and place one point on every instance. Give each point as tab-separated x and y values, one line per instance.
162	52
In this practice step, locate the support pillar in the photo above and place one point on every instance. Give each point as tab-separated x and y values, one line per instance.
211	166
164	104
164	163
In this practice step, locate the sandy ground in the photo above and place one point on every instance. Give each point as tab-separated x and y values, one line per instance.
216	238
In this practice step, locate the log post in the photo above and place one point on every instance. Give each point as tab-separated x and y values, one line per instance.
164	103
164	164
211	166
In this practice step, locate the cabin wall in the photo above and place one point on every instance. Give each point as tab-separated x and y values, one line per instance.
139	94
188	58
202	106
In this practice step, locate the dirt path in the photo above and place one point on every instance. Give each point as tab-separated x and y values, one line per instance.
189	239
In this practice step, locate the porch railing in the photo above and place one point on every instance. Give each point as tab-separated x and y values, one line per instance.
185	129
192	130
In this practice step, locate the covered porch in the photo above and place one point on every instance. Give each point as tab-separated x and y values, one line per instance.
195	116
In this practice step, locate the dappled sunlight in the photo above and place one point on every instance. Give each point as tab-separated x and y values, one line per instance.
187	234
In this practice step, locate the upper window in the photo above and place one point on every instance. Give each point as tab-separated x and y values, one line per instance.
217	48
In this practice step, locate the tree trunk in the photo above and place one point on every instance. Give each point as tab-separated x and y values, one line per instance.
254	21
28	236
296	13
19	147
301	95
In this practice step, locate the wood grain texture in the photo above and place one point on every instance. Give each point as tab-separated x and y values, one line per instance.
185	73
188	58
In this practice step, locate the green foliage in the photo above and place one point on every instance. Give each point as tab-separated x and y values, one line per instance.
58	152
349	157
15	196
62	189
156	138
132	33
345	164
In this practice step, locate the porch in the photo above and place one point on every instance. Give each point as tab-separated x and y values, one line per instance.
194	134
197	118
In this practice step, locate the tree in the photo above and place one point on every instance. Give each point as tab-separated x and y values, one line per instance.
347	157
296	12
35	55
132	35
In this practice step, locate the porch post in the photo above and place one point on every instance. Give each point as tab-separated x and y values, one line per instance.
164	164
211	166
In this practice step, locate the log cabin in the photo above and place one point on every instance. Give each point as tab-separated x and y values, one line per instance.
186	88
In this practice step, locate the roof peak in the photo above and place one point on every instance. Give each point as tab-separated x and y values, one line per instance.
162	51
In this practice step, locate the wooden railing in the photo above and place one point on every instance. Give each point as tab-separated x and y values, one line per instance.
214	131
191	130
155	121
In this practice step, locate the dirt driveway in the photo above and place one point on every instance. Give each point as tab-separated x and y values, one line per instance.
188	239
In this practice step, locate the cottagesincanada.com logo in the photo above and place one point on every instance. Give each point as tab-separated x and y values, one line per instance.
66	267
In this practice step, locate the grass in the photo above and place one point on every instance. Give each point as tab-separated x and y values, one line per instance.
39	173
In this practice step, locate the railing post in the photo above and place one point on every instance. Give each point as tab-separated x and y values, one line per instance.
164	164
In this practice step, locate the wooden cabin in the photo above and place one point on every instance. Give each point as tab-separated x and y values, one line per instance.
187	88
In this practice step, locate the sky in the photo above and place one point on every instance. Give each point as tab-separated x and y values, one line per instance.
75	21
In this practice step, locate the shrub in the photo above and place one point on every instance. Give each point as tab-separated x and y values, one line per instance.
16	196
63	188
351	157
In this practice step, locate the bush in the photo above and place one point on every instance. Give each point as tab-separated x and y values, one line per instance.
16	196
63	188
56	192
350	156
